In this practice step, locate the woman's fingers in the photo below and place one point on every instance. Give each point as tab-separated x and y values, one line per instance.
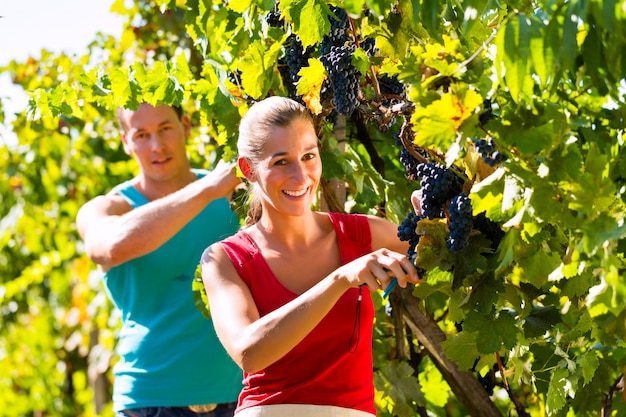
379	268
399	266
389	265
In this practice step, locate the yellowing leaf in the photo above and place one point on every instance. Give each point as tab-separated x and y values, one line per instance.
239	6
310	85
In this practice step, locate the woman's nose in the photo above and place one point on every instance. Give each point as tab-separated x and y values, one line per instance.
297	171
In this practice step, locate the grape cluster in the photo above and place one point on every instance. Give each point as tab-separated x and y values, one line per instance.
490	229
486	115
439	184
338	34
295	58
488	152
369	46
235	77
460	222
391	89
336	51
410	164
392	92
274	18
489	381
344	78
406	232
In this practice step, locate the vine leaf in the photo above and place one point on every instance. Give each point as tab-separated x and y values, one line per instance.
256	67
439	122
557	391
462	349
493	333
310	85
309	18
396	380
540	320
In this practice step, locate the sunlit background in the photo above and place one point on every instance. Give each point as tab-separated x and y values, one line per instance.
28	26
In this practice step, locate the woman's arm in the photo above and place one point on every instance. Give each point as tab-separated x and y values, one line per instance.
256	342
385	233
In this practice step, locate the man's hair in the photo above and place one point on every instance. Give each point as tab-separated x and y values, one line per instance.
121	110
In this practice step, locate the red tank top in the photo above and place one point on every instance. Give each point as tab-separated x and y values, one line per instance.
325	368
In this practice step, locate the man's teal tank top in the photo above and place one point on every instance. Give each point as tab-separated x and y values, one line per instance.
169	354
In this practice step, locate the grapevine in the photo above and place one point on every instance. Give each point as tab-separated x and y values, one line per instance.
549	234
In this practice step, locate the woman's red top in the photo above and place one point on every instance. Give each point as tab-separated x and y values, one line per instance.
333	364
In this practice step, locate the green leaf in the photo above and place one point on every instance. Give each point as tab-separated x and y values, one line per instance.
396	380
513	54
438	391
589	363
462	349
542	59
540	320
540	266
309	19
557	395
431	250
429	16
256	68
569	44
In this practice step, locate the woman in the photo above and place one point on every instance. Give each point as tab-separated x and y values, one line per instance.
289	293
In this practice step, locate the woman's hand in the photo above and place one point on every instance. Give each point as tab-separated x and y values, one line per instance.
377	269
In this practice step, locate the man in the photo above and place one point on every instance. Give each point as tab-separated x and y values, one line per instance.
147	236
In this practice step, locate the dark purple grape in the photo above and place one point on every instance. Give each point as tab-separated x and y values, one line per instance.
460	223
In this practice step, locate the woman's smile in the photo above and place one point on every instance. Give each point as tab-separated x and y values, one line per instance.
293	193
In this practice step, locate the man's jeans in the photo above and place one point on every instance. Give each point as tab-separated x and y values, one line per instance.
222	410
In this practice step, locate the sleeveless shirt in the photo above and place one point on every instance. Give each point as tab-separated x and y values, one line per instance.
325	368
169	354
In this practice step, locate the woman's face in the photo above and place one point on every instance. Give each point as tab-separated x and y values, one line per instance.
289	168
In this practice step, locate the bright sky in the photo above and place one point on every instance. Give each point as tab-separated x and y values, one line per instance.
28	26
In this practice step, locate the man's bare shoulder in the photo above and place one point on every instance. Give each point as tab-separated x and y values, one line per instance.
100	208
111	203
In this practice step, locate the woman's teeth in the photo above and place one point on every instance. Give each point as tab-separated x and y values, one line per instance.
295	193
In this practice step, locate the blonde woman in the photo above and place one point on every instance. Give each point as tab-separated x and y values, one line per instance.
290	293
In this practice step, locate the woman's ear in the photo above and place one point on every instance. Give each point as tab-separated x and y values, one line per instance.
246	169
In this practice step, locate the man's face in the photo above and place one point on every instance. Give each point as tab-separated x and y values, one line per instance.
156	137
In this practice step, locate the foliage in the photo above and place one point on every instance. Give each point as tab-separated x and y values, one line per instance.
543	80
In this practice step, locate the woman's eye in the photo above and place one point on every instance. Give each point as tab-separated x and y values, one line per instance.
309	156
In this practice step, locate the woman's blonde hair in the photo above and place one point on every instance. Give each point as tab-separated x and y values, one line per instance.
255	129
